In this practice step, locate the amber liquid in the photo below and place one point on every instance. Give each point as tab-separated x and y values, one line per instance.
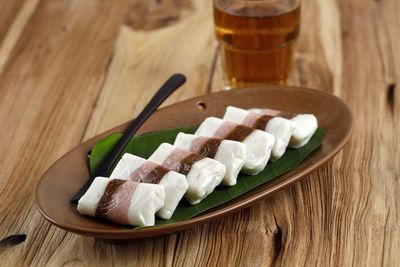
257	42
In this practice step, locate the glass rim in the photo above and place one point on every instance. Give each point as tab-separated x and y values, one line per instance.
254	0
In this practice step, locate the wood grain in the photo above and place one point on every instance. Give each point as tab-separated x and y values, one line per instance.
134	57
8	13
75	68
14	30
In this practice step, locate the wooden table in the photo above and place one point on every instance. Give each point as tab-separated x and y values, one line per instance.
70	69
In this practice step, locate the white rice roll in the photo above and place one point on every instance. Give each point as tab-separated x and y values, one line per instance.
137	169
231	154
203	175
305	126
304	129
281	128
258	143
122	201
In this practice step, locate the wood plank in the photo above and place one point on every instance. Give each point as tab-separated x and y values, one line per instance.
13	32
349	203
47	92
344	214
139	67
8	13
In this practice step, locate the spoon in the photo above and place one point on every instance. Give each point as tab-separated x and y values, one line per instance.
173	83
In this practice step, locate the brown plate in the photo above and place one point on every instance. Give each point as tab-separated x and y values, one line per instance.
64	178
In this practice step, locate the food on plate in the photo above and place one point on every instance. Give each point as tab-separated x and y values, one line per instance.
305	125
231	154
203	174
258	143
281	128
122	201
243	141
137	169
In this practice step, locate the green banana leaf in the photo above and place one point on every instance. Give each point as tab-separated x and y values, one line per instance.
144	145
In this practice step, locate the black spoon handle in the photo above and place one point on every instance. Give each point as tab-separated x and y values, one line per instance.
173	83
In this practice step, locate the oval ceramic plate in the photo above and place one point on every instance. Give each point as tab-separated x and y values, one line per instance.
64	178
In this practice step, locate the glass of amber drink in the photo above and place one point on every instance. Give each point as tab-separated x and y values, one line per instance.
256	39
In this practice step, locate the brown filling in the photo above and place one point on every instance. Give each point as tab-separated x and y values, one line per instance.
286	115
239	133
187	162
106	199
261	122
209	148
155	175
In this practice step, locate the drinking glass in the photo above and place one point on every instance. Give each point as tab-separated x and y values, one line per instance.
256	39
